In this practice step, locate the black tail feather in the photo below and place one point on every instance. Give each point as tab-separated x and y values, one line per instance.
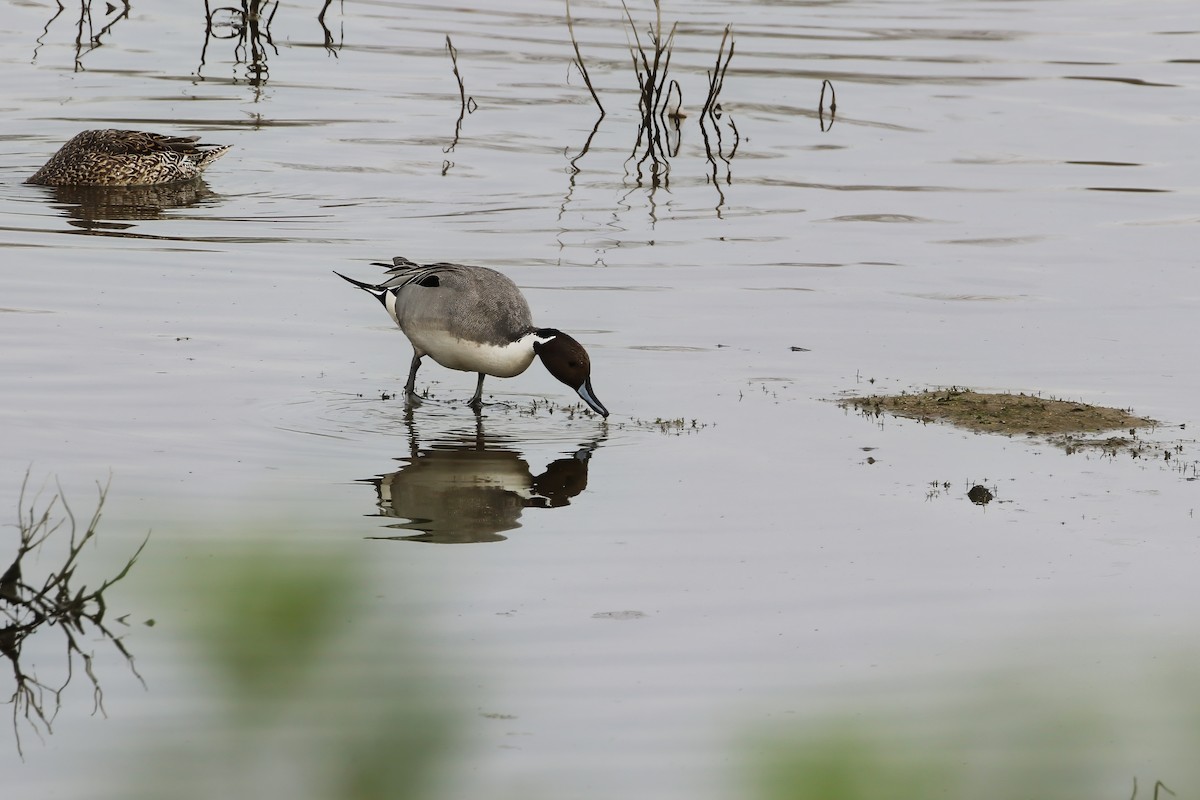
378	291
370	287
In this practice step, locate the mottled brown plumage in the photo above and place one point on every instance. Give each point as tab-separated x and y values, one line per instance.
127	158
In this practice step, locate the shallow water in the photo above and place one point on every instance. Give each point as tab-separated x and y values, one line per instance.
1006	199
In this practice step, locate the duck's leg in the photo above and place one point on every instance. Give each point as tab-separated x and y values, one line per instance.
411	387
477	401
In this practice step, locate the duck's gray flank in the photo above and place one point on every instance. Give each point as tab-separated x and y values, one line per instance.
112	157
475	319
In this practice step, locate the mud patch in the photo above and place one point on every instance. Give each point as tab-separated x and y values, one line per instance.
1072	426
1001	413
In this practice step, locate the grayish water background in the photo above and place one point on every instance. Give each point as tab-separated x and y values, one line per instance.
1007	200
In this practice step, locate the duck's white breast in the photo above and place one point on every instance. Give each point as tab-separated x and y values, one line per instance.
502	361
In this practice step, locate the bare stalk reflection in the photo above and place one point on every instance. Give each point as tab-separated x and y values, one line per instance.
332	46
87	36
710	116
466	104
1157	785
94	36
55	602
40	41
675	117
660	110
471	486
249	25
651	153
832	105
574	169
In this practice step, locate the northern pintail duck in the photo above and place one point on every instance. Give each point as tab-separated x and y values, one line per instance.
475	319
127	158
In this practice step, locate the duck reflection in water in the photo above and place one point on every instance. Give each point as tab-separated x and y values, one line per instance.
471	487
115	208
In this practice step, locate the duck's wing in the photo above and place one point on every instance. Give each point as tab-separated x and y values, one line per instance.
135	143
476	304
402	272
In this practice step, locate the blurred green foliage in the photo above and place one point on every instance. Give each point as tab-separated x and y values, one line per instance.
848	763
1036	725
307	686
263	615
317	695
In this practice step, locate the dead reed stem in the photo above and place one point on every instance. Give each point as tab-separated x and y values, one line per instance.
587	79
716	78
462	96
832	105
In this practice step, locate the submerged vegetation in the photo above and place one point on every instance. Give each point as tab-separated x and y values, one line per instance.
57	601
242	34
660	101
670	426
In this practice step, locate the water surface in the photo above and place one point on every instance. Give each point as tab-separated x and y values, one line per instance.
1006	199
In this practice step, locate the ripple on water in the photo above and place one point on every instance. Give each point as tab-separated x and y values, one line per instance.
529	420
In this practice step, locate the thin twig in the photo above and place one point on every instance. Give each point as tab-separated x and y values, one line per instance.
652	71
716	78
462	91
462	95
832	105
587	79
